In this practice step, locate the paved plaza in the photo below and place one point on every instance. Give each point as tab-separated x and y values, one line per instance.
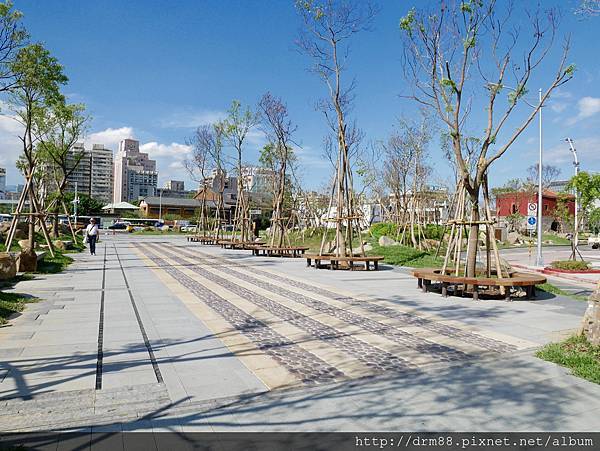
158	334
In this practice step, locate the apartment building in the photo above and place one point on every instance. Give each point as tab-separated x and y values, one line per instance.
94	172
135	174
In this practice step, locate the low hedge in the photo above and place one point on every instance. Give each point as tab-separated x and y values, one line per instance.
570	265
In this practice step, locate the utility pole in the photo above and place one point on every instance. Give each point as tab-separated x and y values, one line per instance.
576	225
160	206
75	203
539	261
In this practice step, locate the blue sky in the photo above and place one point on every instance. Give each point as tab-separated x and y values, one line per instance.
153	70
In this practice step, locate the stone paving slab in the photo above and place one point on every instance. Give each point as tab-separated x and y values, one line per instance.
217	327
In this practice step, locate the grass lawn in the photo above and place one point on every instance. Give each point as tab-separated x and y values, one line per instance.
577	354
11	303
549	288
406	256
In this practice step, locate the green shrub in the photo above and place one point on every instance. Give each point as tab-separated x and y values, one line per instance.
434	231
384	229
570	265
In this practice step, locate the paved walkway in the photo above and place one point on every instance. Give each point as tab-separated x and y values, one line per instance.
156	334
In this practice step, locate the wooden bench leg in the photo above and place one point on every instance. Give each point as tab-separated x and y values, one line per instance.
475	292
445	289
507	294
308	262
420	283
376	265
367	265
426	284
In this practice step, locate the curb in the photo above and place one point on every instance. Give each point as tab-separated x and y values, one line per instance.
560	275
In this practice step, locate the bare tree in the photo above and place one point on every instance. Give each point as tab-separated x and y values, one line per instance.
466	50
549	174
235	129
203	143
279	156
328	26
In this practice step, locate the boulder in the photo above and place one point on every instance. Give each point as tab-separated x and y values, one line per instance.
367	247
8	266
590	325
514	237
165	228
23	244
27	261
387	241
59	244
4	227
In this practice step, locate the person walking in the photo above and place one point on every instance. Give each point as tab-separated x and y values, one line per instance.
91	235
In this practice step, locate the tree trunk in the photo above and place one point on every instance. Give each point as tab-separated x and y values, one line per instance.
473	237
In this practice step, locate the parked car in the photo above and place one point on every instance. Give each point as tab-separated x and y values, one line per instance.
119	226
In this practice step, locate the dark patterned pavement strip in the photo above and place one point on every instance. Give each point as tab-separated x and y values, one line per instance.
411	319
435	350
306	366
371	356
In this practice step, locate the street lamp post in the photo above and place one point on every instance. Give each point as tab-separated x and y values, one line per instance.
539	260
576	225
75	202
160	206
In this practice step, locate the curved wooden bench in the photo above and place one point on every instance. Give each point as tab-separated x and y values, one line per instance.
274	251
334	261
202	239
528	281
244	245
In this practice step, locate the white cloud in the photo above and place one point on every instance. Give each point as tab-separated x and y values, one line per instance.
192	119
110	137
588	151
173	150
587	107
10	146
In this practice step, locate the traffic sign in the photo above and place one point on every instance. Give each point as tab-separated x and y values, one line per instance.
531	222
532	209
255	212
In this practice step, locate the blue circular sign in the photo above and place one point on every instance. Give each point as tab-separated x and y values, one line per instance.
531	220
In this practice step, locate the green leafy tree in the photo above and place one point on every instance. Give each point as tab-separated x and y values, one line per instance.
88	206
58	132
40	77
12	38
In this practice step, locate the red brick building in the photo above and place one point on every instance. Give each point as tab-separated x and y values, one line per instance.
516	202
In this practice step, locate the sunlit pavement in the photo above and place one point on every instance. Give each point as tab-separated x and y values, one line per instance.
155	333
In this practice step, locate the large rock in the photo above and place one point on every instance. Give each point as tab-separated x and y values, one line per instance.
591	319
367	247
27	261
59	244
387	241
23	244
514	237
4	227
8	266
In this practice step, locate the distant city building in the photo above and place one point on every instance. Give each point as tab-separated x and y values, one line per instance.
156	207
94	173
257	179
175	188
2	183
135	175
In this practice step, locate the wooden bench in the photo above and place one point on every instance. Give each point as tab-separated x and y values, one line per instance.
335	260
244	245
202	239
523	280
268	251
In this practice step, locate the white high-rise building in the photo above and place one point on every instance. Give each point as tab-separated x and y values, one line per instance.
93	173
135	175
